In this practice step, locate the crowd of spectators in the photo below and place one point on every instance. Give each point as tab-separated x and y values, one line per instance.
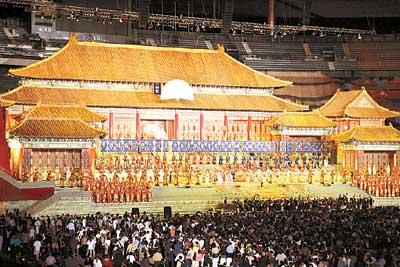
342	232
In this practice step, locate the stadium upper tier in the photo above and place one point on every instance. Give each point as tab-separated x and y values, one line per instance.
284	53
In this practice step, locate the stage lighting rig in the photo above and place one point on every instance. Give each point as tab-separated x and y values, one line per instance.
51	8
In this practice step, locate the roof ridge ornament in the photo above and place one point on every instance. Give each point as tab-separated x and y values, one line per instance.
220	48
73	38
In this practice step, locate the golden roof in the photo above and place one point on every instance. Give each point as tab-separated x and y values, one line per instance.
355	104
134	63
301	120
369	134
135	99
55	128
62	111
6	103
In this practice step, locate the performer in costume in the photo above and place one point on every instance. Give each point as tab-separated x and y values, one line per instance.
109	196
62	180
322	177
310	176
71	180
165	176
332	176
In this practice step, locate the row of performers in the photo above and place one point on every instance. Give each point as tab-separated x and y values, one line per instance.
104	191
226	175
185	175
381	184
276	161
115	191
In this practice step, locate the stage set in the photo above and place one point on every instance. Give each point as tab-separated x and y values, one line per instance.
117	120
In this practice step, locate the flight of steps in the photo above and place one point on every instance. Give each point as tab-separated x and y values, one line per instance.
319	191
74	206
265	192
182	200
193	199
12	205
74	197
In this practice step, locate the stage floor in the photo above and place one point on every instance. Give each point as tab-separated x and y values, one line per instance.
186	200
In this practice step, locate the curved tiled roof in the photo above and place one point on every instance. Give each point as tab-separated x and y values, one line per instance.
6	103
63	111
301	120
134	63
139	99
55	128
355	104
370	134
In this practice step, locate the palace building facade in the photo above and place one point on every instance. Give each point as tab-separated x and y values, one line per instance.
131	96
93	98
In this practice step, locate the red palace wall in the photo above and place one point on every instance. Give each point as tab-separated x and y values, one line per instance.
9	192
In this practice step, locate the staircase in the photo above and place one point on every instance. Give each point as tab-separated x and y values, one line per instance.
266	192
144	13
307	50
189	200
150	41
180	199
331	66
209	45
346	50
247	48
227	17
71	196
318	191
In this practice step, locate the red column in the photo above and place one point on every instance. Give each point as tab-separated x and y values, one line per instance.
355	159
92	157
344	158
271	15
201	125
348	125
137	125
20	162
225	126
110	125
176	130
248	128
4	152
82	167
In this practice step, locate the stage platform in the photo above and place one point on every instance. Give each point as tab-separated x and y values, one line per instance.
185	200
182	199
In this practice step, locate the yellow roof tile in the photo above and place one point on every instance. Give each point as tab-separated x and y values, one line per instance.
135	99
355	104
63	111
6	103
301	120
135	63
303	77
369	134
55	128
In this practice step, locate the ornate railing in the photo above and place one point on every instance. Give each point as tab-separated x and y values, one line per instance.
126	145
